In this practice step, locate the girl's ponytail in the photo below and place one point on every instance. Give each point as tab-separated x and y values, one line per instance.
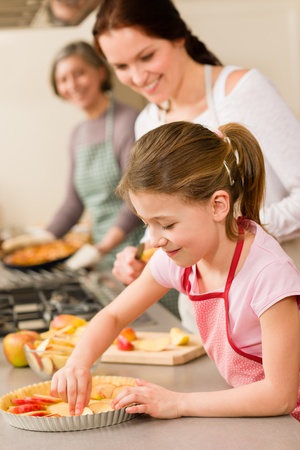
246	164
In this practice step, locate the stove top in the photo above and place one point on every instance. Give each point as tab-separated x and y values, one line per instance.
30	300
33	308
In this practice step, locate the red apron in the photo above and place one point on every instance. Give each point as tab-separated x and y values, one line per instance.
212	316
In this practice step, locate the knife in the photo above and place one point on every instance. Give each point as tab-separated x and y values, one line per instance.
140	251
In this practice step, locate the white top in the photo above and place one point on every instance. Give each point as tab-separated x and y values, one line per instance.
268	275
256	103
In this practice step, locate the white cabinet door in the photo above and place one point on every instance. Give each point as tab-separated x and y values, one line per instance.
252	33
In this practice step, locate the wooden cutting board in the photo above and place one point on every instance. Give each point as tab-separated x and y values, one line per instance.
171	356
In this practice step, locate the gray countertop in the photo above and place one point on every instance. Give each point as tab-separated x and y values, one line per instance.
143	432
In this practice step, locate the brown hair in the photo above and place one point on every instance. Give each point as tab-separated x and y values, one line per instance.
158	18
190	161
90	56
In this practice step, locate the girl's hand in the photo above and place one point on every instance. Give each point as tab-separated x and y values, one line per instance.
126	267
151	399
73	385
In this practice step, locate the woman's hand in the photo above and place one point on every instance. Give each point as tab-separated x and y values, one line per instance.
73	385
126	267
150	399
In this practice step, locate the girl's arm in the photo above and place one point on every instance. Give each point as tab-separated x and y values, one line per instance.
73	382
274	395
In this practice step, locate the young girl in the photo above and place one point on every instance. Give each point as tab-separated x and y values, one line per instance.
200	194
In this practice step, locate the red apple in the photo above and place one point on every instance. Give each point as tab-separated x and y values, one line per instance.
124	344
13	346
63	320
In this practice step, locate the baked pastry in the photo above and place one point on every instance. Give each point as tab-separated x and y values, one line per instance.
35	255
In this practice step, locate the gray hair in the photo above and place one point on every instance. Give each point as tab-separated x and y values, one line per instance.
89	54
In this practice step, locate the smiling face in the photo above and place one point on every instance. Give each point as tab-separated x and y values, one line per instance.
79	82
151	66
186	232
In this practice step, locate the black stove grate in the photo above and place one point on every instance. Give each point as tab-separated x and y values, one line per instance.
33	308
30	300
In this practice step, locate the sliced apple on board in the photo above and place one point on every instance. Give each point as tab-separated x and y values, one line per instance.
178	337
152	345
124	344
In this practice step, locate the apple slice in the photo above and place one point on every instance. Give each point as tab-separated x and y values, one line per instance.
60	340
120	388
20	409
54	332
147	254
123	343
48	399
105	400
102	390
43	345
79	330
41	413
33	360
152	345
47	365
62	409
59	361
129	334
28	400
178	337
63	349
99	407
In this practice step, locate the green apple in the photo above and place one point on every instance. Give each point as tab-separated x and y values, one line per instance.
13	346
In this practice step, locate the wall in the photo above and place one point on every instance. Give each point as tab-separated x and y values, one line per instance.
35	125
252	33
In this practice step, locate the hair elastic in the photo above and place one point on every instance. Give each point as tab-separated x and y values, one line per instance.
231	181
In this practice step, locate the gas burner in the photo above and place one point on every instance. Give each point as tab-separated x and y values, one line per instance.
31	300
33	308
69	299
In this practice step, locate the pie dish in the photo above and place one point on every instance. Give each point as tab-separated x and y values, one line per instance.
67	423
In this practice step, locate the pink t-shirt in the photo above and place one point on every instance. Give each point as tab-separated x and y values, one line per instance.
267	276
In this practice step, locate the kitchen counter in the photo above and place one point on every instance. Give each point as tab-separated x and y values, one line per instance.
143	432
